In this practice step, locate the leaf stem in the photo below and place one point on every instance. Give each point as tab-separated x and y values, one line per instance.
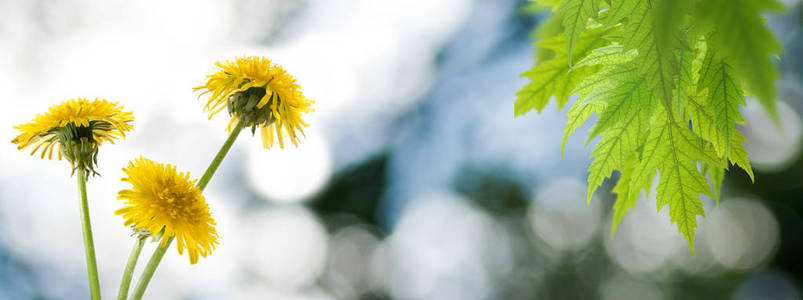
156	258
89	244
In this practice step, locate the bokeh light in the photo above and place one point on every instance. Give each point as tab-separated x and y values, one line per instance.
741	234
772	147
560	216
436	251
645	241
291	174
285	246
623	287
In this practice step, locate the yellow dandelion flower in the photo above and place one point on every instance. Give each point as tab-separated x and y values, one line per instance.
259	94
75	128
164	200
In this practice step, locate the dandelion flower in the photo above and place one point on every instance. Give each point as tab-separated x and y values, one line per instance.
259	94
75	128
165	201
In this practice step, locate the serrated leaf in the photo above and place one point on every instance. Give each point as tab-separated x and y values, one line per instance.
725	96
622	125
738	155
588	41
684	83
554	77
667	18
674	152
699	59
606	76
614	149
625	200
608	55
549	28
619	10
577	115
624	97
576	14
703	121
549	78
740	36
655	57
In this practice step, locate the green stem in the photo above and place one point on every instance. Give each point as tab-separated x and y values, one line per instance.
89	244
219	157
147	274
156	258
122	294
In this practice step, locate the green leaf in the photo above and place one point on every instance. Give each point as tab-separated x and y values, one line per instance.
608	55
577	115
658	63
698	58
576	14
549	78
625	200
684	83
622	124
620	10
738	155
614	149
554	77
550	3
725	95
624	98
549	28
740	36
668	16
674	151
703	121
606	76
717	176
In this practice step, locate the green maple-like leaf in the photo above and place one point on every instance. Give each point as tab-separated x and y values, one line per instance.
675	152
554	77
608	55
575	18
631	55
550	28
739	34
738	155
684	82
625	200
624	98
655	59
553	3
725	95
717	176
623	123
620	10
704	121
577	115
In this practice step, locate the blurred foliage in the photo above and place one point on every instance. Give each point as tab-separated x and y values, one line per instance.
355	191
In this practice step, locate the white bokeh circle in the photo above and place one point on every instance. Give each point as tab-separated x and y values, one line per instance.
291	174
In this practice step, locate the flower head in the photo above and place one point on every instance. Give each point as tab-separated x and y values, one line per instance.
260	94
165	201
75	128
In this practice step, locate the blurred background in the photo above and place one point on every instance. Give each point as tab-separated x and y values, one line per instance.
414	180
